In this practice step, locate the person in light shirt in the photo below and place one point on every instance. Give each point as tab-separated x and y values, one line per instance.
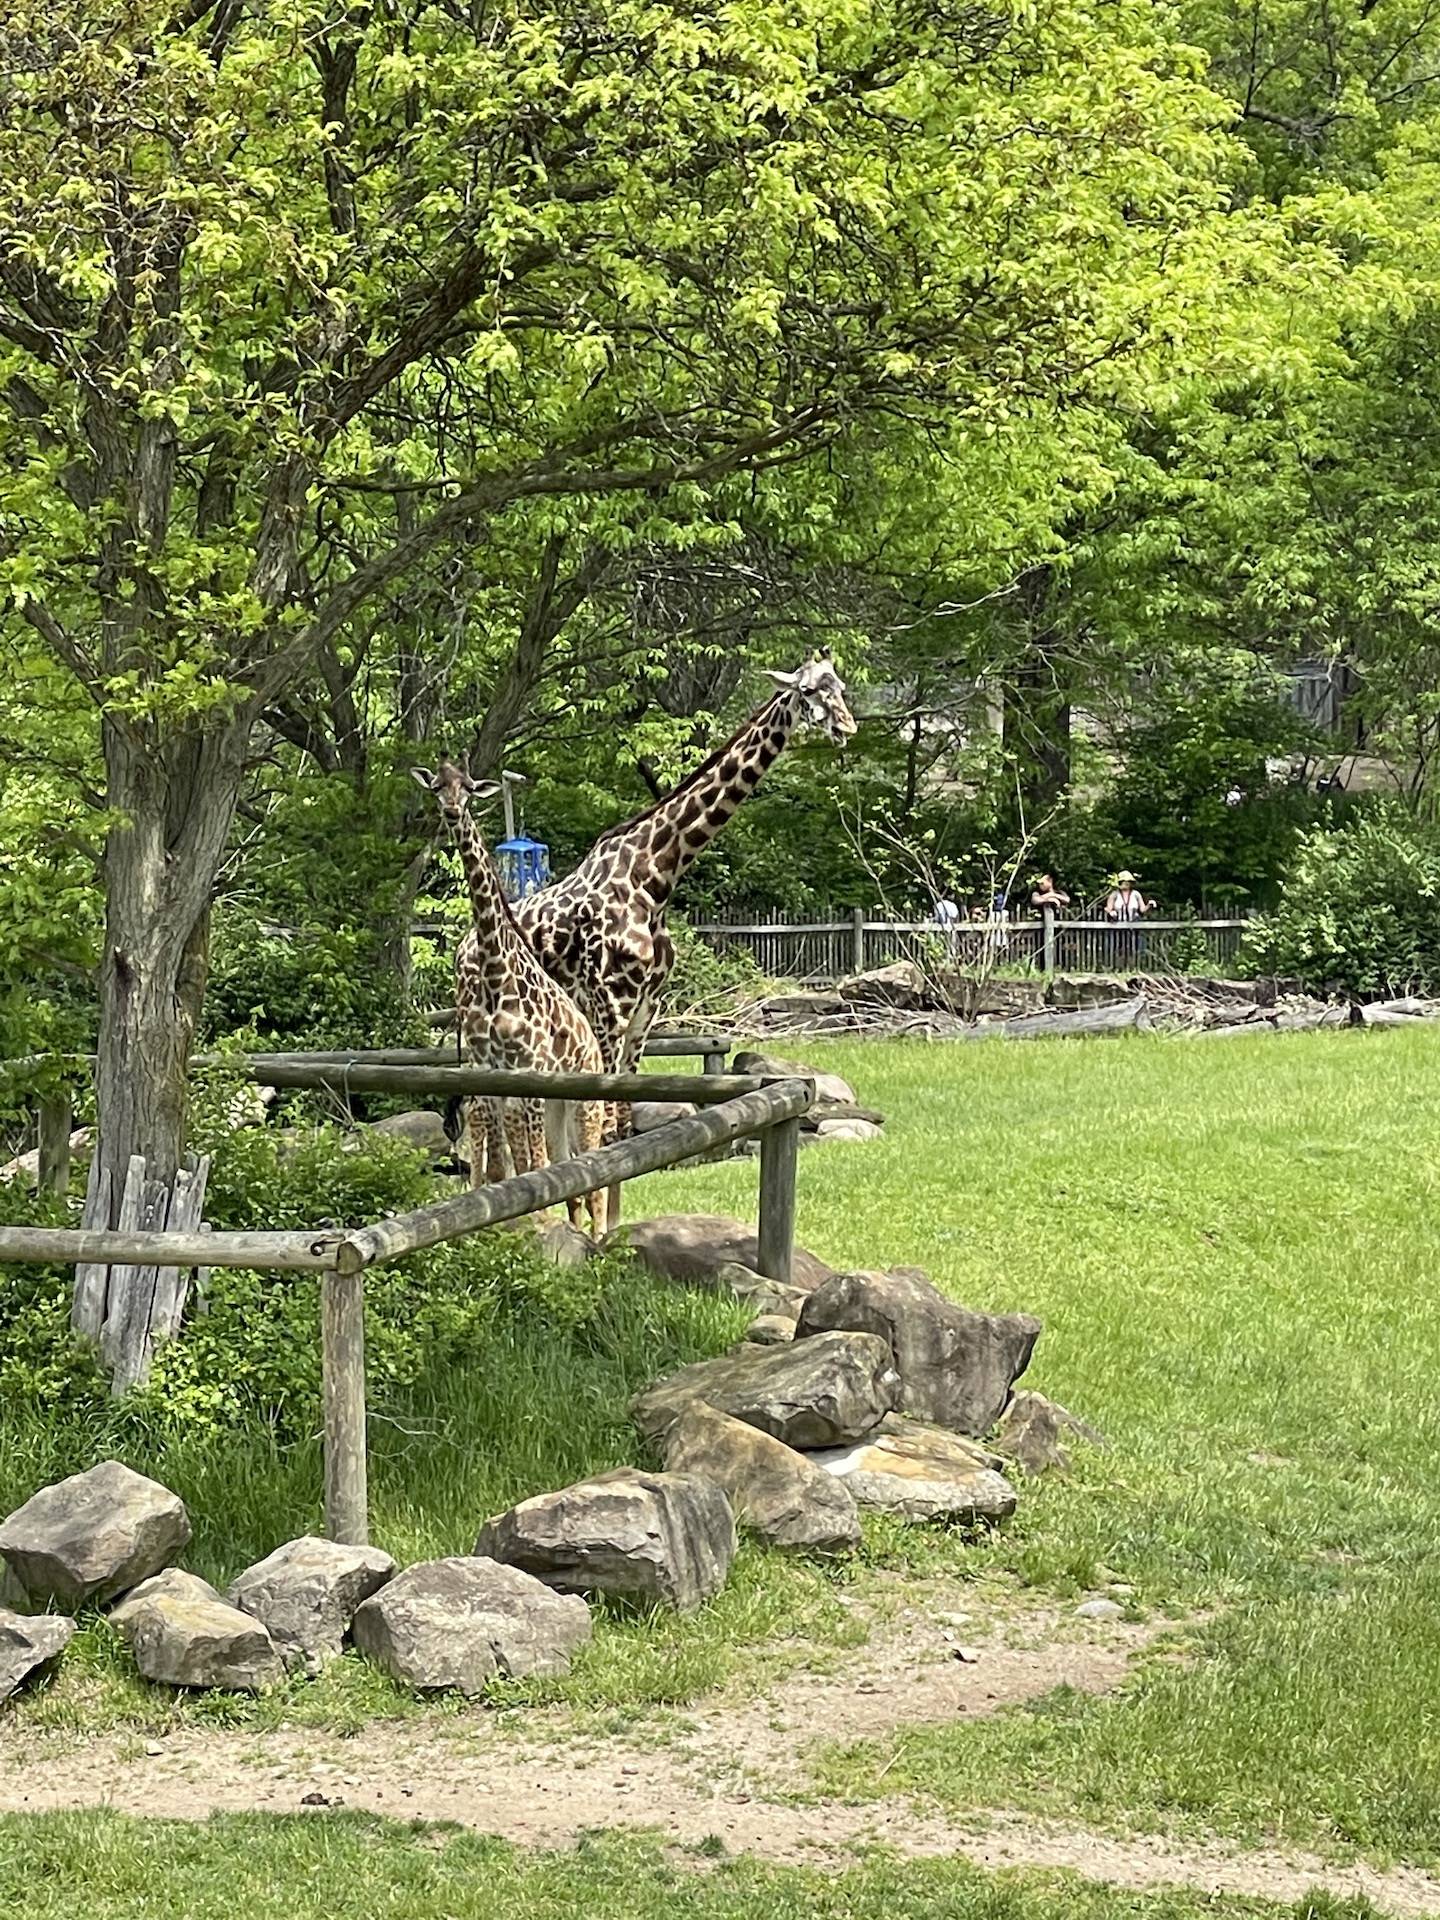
1125	900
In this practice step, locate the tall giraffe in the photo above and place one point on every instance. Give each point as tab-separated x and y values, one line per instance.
601	930
511	1013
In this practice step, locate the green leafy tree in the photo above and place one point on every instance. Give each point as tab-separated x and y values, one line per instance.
291	300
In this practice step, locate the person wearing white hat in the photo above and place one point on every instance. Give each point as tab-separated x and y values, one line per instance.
1125	900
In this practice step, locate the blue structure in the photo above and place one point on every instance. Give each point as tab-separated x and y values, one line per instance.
524	865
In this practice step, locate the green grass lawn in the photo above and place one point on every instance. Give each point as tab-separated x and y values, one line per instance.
53	1867
1232	1244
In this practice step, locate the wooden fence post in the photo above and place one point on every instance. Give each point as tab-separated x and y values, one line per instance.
1047	963
857	940
342	1344
56	1118
779	1150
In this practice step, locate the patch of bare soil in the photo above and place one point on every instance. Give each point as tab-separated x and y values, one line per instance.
723	1774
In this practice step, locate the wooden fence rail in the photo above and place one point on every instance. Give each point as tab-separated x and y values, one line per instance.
732	1107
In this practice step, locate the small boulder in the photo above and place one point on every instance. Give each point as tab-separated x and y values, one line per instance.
779	1494
422	1129
761	1293
460	1622
770	1330
1031	1431
173	1584
306	1594
693	1247
183	1634
1099	1610
823	1392
563	1245
819	1111
828	1086
647	1115
855	1130
956	1367
93	1535
921	1473
30	1644
656	1538
901	984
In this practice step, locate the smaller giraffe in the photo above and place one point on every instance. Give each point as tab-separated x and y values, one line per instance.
511	1014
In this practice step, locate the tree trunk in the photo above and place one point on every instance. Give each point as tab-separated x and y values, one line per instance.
174	804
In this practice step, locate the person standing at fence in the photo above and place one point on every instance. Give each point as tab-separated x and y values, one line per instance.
1047	894
947	918
1126	905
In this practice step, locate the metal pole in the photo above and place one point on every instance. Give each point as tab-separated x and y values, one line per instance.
779	1151
857	939
342	1343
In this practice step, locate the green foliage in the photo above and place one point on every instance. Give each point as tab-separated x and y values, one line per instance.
316	987
1358	911
704	981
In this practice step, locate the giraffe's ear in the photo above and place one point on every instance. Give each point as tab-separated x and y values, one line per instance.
782	679
484	789
423	777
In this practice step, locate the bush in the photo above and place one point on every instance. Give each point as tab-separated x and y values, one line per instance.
305	988
1358	908
253	1352
704	982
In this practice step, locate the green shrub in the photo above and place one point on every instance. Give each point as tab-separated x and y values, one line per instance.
308	987
1358	908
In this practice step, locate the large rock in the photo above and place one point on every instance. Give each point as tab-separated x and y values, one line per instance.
93	1535
1032	1430
921	1473
664	1538
458	1623
828	1086
778	1493
693	1247
306	1594
183	1634
30	1644
955	1366
901	984
821	1392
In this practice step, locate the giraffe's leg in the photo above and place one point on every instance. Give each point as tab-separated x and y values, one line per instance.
493	1112
591	1117
477	1132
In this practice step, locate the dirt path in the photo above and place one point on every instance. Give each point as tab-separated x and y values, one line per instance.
730	1773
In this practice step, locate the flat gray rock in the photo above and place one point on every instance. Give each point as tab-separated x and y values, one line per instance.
30	1644
307	1592
694	1247
457	1623
655	1538
956	1367
770	1330
780	1495
822	1392
921	1473
760	1293
854	1129
93	1535
901	984
182	1634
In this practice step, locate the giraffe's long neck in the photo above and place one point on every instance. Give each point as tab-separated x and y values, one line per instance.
671	836
488	909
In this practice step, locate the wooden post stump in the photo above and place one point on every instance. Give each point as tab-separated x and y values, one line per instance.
342	1341
779	1151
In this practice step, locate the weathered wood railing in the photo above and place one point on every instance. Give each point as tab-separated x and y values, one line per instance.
731	1107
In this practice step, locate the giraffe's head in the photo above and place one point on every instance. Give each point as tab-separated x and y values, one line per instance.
821	694
453	787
